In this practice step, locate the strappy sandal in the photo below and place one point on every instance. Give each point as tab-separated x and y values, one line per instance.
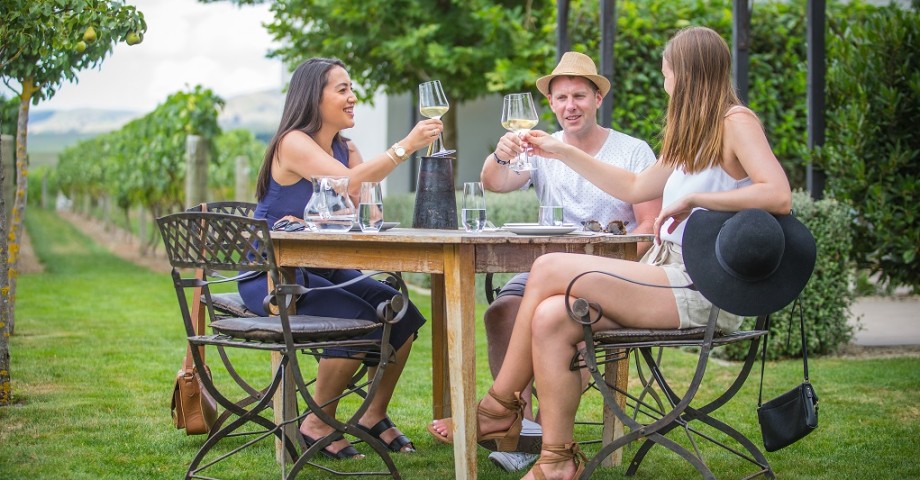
345	453
562	453
398	444
509	440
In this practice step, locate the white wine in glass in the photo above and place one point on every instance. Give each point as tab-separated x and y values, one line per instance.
519	115
433	112
432	103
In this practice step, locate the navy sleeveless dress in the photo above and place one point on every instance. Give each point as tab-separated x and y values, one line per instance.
356	301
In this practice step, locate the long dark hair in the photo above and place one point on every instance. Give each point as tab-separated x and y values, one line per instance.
301	111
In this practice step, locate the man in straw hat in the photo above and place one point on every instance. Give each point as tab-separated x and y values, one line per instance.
575	92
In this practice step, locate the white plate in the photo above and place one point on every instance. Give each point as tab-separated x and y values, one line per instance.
537	229
386	226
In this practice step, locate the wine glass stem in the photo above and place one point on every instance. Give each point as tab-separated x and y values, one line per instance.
523	156
437	145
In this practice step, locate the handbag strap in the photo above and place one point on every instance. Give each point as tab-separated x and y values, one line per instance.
198	314
763	355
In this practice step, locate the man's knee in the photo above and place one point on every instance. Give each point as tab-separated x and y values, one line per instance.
501	312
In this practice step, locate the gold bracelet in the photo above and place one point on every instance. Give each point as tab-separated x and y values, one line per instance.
391	157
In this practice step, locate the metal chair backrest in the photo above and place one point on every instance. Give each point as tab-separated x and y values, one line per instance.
217	241
243	209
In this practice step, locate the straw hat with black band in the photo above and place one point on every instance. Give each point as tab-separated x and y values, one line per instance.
748	263
574	64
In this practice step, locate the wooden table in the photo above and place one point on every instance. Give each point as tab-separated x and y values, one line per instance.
452	258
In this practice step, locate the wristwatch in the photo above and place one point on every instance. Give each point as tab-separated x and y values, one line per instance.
500	161
400	152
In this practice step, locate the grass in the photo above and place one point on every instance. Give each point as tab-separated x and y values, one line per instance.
98	343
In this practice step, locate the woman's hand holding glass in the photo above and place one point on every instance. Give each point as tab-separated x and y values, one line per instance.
432	103
423	134
544	145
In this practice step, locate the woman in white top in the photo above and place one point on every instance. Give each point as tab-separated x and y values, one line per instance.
714	155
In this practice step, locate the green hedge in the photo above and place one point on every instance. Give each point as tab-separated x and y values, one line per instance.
827	297
872	154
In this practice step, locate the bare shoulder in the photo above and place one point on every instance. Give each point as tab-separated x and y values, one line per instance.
741	114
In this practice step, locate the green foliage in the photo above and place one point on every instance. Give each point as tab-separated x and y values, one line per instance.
395	45
40	41
872	155
222	169
143	163
827	297
9	109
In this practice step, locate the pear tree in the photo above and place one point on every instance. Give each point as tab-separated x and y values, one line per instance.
43	44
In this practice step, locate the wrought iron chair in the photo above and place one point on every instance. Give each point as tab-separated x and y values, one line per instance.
219	242
665	409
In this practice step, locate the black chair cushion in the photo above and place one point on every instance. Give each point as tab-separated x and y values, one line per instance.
630	335
231	303
304	328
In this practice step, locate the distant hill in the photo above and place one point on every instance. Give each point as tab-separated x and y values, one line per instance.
54	130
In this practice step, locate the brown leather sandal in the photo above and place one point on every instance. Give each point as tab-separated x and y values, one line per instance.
509	440
562	453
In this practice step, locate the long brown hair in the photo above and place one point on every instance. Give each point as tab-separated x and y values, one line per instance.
701	64
301	111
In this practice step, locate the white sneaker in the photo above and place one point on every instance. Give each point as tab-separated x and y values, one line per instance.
512	461
531	429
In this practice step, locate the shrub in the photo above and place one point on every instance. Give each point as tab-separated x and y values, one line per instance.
872	154
827	297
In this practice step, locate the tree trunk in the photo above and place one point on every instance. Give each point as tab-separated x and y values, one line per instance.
19	200
450	136
6	393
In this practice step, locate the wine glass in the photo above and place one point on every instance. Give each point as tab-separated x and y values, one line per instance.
519	115
432	103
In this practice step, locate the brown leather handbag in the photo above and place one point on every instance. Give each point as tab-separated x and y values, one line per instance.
193	408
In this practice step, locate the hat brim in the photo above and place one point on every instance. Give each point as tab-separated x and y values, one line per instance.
740	297
603	85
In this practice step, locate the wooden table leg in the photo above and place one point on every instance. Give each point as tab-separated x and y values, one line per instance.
440	378
285	401
460	303
616	374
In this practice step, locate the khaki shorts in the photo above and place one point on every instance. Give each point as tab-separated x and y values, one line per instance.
692	307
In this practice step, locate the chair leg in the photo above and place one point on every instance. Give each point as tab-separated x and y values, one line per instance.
348	427
701	414
244	417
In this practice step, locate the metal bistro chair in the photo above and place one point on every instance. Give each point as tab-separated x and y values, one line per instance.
219	242
679	411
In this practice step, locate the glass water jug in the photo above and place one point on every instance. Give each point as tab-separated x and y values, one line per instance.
330	209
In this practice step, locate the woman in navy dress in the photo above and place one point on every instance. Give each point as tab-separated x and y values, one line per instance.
319	104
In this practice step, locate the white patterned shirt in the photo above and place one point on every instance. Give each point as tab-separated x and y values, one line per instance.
581	199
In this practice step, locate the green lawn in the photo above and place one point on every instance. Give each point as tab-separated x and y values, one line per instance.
98	342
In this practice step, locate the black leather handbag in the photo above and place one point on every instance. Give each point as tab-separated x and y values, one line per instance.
787	418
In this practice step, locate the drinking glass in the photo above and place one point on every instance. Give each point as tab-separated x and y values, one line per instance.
432	103
473	213
551	211
370	207
519	115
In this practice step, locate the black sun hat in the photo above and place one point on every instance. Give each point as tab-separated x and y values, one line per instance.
749	262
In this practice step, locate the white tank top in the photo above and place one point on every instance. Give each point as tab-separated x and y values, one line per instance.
680	184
